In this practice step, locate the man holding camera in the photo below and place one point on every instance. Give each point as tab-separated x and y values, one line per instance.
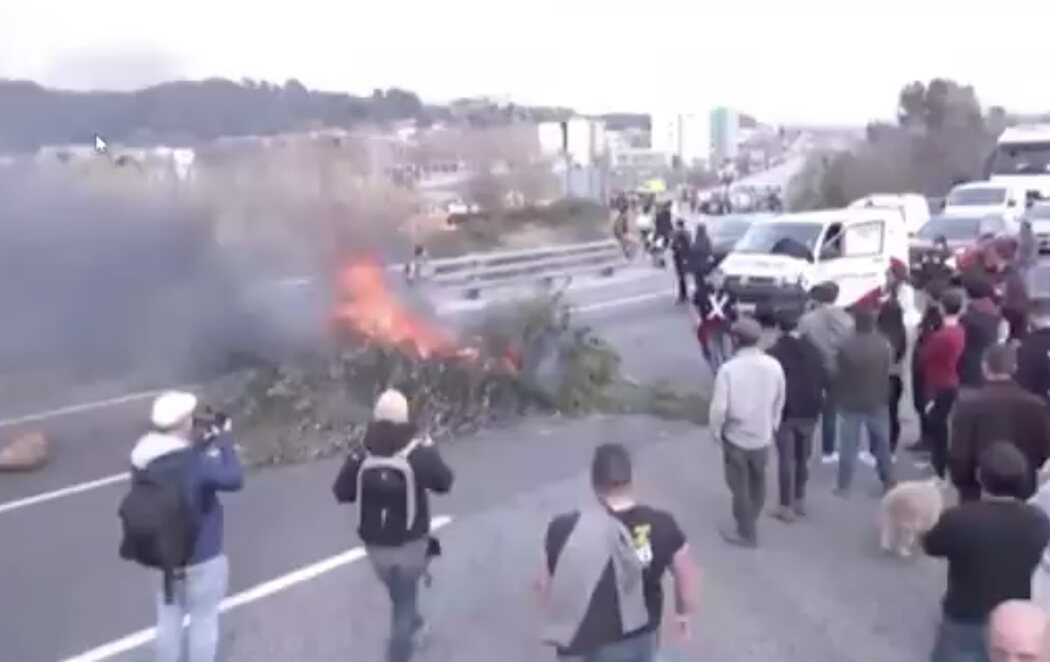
173	521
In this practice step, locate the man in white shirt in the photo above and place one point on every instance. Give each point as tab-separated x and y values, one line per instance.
746	410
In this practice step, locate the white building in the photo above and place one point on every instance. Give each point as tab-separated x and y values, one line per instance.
684	137
580	138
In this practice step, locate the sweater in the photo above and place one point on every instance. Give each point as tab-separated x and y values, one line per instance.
939	359
863	373
805	378
748	400
211	469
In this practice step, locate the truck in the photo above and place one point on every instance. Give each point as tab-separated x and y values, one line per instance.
1021	159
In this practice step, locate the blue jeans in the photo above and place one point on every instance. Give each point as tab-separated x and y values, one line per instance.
197	596
401	569
960	642
829	422
878	426
641	648
719	349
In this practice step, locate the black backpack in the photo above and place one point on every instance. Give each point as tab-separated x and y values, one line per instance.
159	528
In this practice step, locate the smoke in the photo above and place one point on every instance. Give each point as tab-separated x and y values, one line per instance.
101	288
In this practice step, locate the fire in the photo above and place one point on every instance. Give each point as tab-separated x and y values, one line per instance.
368	306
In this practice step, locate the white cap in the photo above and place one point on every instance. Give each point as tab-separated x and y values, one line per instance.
391	407
171	408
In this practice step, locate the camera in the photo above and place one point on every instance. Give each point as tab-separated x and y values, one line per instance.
209	423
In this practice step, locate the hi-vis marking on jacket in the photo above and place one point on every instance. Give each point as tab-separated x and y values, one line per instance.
397	462
718	305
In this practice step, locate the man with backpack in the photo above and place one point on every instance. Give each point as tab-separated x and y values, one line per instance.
602	590
389	481
173	521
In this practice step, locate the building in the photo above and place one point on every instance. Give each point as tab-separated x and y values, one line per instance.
725	134
683	137
581	139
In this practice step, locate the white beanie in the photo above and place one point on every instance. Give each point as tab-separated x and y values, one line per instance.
391	407
171	408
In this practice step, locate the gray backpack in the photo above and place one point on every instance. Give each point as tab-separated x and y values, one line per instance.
384	481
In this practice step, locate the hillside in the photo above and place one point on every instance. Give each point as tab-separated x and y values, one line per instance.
186	112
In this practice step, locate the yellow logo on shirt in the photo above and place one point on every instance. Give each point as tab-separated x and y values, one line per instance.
640	537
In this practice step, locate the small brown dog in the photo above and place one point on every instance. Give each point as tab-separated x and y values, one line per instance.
908	511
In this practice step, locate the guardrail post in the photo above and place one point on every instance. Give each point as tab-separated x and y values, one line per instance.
474	289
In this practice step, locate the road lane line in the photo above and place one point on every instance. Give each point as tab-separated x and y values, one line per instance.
85	406
254	594
116	478
44	497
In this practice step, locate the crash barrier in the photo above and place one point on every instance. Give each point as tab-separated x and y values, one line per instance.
478	271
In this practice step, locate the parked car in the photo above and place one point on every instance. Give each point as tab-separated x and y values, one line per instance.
1039	217
979	198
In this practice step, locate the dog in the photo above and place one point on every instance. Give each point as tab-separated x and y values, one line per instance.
908	511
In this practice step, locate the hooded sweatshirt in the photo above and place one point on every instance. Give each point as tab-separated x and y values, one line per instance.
387	526
212	468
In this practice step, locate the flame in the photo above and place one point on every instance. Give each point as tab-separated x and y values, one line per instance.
368	306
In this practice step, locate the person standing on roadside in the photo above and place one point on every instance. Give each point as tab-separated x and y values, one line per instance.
931	322
602	590
890	323
827	326
746	410
981	322
716	311
179	458
863	374
702	256
992	547
1033	356
681	254
389	480
939	359
806	382
1000	411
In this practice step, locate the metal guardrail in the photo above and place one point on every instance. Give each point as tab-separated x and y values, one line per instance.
478	271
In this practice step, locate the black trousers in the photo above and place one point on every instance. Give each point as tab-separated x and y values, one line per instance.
896	392
680	273
937	426
745	472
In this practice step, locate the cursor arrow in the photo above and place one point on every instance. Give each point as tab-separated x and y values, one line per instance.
100	144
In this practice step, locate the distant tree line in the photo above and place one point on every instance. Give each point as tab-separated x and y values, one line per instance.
941	137
189	112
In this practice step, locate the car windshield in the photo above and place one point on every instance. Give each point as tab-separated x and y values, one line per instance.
952	229
1021	159
1039	212
985	195
729	229
781	238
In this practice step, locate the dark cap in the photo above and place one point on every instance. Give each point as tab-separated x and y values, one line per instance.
747	329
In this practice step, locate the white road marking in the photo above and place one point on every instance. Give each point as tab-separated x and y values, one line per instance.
253	594
64	492
116	478
84	406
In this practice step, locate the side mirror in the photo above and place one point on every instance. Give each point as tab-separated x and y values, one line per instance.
828	253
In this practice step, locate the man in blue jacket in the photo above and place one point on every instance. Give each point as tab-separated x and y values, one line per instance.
212	466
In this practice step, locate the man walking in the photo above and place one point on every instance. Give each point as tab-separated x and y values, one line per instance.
806	383
681	253
390	481
746	410
196	463
603	591
981	323
992	547
716	311
1000	411
863	374
939	361
827	326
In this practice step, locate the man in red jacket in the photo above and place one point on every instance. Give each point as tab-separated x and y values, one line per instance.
938	362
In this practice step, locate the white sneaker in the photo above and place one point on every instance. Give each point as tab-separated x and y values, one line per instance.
830	459
867	458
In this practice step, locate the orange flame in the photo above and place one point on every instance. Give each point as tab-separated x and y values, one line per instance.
367	306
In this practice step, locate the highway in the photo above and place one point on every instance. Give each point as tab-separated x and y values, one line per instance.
818	590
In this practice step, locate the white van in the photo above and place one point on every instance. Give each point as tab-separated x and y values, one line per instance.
980	198
913	207
779	259
1021	160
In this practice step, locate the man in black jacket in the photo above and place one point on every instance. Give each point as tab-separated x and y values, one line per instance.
681	253
390	482
807	382
1033	357
980	321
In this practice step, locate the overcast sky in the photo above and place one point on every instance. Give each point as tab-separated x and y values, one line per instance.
784	60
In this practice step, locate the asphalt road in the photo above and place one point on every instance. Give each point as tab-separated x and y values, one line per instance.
818	590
